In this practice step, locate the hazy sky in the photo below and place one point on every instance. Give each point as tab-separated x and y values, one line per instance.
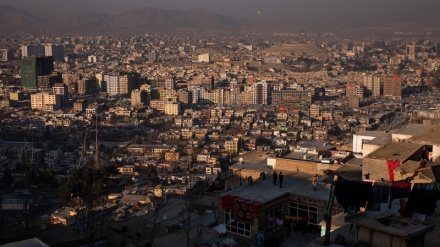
266	9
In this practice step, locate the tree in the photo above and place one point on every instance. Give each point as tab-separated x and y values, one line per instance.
86	186
7	178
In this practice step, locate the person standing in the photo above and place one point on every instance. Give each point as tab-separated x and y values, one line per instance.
281	176
275	177
315	181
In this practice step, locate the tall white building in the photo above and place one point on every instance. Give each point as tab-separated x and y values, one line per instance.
153	56
112	84
260	93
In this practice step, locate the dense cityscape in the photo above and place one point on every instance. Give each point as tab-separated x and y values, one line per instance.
220	138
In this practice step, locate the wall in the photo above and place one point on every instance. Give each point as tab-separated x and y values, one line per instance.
303	166
377	169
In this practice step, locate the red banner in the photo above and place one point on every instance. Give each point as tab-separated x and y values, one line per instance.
392	164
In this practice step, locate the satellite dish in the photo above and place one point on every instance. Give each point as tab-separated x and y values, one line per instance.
240	160
221	229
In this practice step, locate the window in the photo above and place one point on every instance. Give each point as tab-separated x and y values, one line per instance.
236	227
273	214
296	209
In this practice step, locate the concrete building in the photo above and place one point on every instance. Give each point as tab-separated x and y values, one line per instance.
315	110
31	67
372	83
127	83
112	82
88	86
261	93
153	56
5	55
392	86
354	90
231	145
172	108
32	50
66	216
204	58
45	101
379	165
80	106
61	90
363	141
55	51
169	83
291	96
411	51
354	101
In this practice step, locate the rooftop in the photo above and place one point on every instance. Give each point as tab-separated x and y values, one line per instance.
395	151
294	183
412	129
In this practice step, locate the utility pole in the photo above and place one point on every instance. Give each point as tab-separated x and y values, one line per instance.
96	139
188	215
328	214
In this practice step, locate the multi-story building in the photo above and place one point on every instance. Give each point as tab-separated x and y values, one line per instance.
184	96
140	98
172	108
88	86
112	82
5	55
32	50
353	101
372	83
31	67
291	96
47	81
45	101
411	51
153	56
169	83
204	58
127	83
158	104
198	95
55	51
231	145
80	106
261	93
392	86
315	110
61	90
354	90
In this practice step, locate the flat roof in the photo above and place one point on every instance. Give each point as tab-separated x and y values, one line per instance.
254	156
371	133
294	183
33	242
401	226
412	129
430	135
395	151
